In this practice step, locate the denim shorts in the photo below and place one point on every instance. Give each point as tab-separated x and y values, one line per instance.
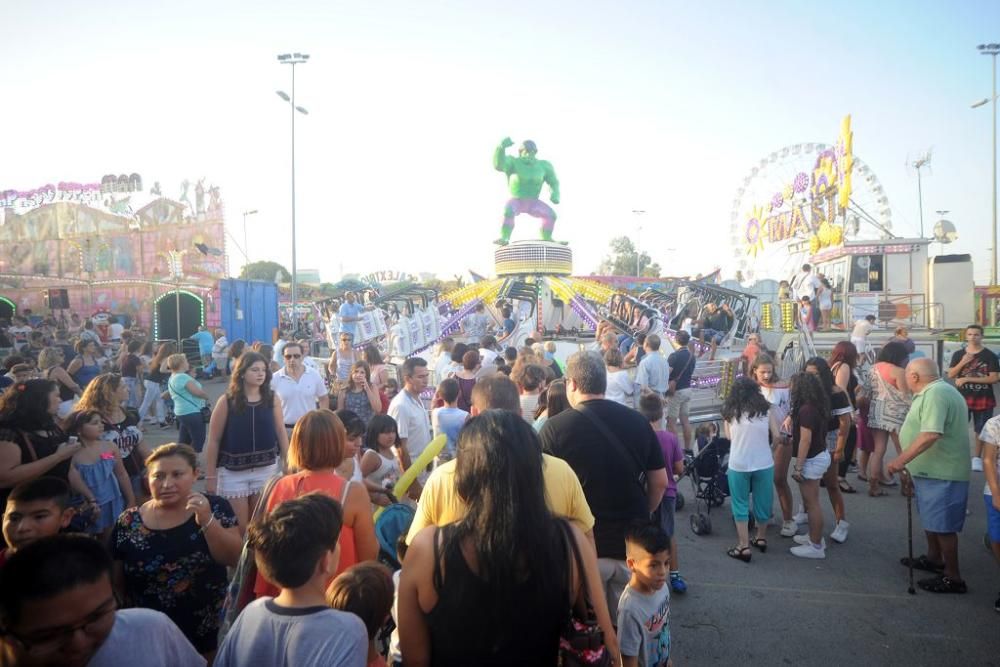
665	514
992	520
816	467
941	504
979	419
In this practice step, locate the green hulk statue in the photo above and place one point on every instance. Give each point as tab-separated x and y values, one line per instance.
525	176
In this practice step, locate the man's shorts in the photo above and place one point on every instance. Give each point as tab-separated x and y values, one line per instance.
992	520
816	467
665	514
712	335
679	405
941	504
979	419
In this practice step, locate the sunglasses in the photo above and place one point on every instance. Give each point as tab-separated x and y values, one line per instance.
293	356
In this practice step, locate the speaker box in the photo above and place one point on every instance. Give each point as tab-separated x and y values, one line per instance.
57	299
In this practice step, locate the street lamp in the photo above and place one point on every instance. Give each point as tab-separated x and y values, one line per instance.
638	234
992	50
246	246
293	59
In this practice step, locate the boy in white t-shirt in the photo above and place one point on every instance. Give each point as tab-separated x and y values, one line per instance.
644	607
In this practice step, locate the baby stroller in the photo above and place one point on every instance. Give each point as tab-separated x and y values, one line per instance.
391	523
707	470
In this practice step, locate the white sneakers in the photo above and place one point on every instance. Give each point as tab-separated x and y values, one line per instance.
809	550
804	539
801	517
839	534
789	528
977	464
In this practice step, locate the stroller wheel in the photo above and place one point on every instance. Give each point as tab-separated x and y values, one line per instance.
706	524
695	524
679	502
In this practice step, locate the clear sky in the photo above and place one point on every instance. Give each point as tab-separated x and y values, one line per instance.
662	106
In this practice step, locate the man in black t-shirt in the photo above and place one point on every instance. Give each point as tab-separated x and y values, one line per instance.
975	370
616	455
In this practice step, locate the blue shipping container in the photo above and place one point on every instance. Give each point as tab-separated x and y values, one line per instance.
249	309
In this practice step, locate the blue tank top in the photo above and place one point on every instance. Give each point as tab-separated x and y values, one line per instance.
249	439
86	373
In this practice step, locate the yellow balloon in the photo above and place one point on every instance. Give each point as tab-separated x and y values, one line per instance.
432	449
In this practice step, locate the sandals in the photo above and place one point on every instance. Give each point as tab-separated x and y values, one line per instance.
876	493
845	487
862	478
740	553
892	482
760	543
922	563
942	584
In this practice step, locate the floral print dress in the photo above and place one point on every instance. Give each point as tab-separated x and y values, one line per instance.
173	572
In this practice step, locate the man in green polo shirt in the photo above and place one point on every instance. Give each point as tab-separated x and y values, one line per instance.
936	438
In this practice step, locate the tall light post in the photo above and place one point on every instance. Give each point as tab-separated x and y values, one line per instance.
293	59
992	50
246	246
638	234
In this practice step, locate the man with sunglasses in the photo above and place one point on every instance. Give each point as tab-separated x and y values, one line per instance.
301	389
57	608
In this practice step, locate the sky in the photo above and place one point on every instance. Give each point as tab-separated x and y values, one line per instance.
639	105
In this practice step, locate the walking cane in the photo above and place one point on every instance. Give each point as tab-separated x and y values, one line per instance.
907	490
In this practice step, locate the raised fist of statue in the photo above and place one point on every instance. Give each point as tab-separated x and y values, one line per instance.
506	142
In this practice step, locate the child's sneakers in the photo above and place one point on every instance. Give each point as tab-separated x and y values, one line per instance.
789	529
677	583
809	551
839	534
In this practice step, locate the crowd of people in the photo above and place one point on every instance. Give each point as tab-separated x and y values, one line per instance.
542	527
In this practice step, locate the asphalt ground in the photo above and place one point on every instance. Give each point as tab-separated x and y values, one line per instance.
850	609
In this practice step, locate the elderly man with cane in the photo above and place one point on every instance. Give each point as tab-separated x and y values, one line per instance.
937	457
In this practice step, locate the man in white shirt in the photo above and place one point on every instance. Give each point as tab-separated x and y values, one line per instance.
805	284
412	420
487	356
115	330
859	334
474	324
300	388
279	347
654	371
443	359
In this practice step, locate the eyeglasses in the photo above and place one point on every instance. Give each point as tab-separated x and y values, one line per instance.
293	356
49	641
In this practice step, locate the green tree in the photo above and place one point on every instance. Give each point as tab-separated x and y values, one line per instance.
623	261
265	271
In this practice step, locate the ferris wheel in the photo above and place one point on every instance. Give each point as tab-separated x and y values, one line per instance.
787	208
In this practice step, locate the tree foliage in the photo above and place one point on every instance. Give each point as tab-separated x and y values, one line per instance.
265	271
622	260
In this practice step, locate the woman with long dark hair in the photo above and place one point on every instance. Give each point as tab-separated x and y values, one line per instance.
776	392
837	430
810	409
379	373
31	443
153	382
496	587
359	394
555	402
843	362
890	401
247	440
747	417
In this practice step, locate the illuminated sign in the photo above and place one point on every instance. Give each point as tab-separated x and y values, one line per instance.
810	205
83	193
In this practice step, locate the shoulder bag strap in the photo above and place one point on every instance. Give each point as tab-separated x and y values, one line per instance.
347	487
579	599
28	443
616	442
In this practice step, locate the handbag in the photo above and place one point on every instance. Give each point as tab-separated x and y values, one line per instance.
239	592
581	641
206	412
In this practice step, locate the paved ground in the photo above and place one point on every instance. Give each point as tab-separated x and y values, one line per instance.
852	608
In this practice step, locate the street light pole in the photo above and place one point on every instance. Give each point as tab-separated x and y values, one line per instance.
246	246
992	50
638	236
293	59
